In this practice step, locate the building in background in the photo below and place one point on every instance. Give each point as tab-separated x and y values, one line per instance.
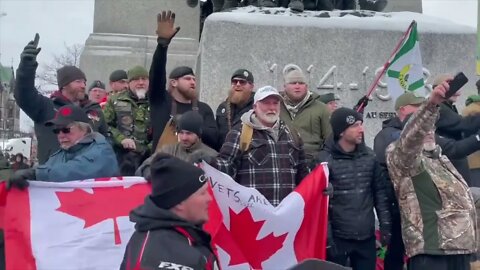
9	111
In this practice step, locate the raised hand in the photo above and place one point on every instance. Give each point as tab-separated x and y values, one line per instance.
166	29
30	52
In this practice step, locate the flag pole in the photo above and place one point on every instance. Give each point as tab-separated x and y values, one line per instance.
387	64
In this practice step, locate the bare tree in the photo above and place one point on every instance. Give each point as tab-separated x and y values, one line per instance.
47	77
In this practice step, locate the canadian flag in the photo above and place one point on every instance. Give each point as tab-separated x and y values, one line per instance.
70	225
249	233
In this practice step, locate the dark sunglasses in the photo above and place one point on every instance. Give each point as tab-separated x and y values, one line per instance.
241	82
64	130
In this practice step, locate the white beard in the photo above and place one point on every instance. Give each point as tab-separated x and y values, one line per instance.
141	93
430	146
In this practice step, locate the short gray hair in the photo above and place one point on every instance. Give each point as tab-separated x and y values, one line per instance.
84	126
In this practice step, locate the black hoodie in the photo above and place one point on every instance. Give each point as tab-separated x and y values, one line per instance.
162	240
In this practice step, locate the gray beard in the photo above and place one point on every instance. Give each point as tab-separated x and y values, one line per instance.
141	93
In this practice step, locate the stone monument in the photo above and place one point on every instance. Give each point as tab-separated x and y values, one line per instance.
339	54
124	36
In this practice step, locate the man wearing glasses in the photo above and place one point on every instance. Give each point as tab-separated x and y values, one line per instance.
83	153
238	102
301	110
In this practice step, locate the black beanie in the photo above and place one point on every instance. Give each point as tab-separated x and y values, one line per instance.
343	118
118	75
68	74
191	121
173	180
179	72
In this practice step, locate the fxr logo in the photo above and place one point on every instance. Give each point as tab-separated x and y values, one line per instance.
173	266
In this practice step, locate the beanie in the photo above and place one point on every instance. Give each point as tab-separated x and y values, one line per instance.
342	119
191	121
118	75
243	74
295	76
96	84
137	72
68	74
179	72
173	180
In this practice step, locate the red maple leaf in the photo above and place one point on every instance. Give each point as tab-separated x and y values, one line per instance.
102	204
244	232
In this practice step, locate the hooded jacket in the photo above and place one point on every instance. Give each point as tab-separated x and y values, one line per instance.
41	109
162	240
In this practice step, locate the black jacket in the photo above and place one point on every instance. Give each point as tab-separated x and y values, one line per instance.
235	114
358	186
163	240
41	109
161	102
454	126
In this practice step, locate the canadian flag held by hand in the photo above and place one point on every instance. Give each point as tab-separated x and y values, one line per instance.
249	233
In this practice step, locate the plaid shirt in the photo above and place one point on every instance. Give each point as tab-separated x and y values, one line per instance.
272	167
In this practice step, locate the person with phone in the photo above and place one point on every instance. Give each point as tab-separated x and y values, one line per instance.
437	208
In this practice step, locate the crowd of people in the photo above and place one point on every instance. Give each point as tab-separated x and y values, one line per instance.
416	180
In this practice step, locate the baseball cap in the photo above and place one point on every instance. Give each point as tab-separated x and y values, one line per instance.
68	114
325	98
243	74
265	92
408	98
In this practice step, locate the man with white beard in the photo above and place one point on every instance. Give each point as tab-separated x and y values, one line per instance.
274	162
436	206
128	120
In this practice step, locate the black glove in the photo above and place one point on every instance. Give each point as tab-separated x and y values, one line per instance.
364	100
328	191
31	51
166	29
385	238
20	177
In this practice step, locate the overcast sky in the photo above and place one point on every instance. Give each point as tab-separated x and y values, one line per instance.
68	22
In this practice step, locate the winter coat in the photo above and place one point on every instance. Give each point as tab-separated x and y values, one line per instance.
312	121
236	113
41	109
92	157
5	169
359	186
161	103
436	206
163	240
274	164
472	109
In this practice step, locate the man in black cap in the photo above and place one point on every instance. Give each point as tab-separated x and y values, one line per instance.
238	102
168	232
83	153
182	93
71	85
97	92
118	81
358	187
189	146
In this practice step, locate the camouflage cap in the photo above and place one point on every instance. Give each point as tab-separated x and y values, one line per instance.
408	98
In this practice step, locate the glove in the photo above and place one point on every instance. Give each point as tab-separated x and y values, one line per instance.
364	100
20	177
328	191
165	27
30	52
385	238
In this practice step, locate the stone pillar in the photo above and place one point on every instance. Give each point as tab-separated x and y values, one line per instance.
124	36
404	5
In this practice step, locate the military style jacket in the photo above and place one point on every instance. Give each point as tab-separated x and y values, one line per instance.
437	208
129	117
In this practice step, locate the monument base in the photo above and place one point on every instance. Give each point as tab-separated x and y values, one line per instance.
339	51
104	53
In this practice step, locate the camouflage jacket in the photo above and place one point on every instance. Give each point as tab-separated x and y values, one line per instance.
437	208
128	117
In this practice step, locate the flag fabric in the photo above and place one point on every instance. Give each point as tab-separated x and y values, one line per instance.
405	72
249	233
70	225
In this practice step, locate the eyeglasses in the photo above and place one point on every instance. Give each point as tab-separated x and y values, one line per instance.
241	82
64	130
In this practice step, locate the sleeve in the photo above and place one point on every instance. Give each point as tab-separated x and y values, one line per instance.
111	121
210	134
158	76
34	104
302	169
326	127
403	155
230	154
454	149
381	198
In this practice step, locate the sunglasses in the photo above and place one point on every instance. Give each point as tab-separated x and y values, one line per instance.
64	130
241	82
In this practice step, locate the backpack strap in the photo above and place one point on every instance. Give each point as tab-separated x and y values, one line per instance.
245	137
